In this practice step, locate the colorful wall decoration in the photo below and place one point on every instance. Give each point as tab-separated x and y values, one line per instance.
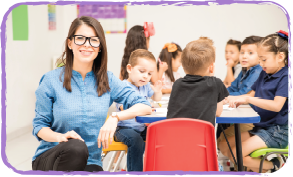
20	23
52	17
111	17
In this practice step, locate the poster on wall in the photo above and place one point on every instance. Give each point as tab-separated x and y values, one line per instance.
52	17
111	17
20	23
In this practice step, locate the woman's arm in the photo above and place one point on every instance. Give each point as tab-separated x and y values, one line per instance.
44	115
50	136
133	105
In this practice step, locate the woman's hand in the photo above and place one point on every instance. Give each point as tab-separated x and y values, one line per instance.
71	134
107	131
163	66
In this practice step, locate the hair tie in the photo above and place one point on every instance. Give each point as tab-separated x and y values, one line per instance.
171	47
149	29
283	34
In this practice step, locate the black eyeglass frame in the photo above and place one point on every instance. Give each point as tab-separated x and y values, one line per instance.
86	38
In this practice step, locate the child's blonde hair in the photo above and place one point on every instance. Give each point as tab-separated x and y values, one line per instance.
197	56
140	53
208	40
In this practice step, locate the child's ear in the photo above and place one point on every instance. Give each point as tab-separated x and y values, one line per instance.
212	68
281	57
128	68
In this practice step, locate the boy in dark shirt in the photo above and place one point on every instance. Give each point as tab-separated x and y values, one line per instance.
199	94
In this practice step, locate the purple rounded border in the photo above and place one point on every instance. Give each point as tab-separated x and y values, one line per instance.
177	3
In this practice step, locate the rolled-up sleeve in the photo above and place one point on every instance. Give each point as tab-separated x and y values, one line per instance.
124	94
233	89
247	83
44	106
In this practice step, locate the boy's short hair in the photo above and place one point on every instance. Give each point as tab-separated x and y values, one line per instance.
235	43
252	40
140	53
197	56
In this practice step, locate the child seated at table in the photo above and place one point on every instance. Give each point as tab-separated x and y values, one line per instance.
242	84
199	94
140	68
269	98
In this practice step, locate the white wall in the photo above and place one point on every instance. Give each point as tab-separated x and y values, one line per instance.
27	61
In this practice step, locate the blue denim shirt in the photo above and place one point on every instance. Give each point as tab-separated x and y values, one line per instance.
81	110
145	91
242	84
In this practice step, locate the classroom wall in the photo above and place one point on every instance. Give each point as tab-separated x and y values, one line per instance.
27	61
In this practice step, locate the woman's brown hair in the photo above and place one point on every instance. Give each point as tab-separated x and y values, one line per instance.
100	62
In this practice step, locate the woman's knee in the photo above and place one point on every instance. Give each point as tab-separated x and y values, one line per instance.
77	148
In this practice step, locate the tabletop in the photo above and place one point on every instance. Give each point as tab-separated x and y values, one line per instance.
242	114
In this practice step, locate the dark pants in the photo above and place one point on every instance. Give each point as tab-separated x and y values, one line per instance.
66	156
136	145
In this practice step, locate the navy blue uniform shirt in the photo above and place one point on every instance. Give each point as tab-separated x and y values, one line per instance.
267	87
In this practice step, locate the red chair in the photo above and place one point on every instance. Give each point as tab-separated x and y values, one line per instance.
180	144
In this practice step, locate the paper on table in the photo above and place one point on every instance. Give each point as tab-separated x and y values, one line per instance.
162	102
162	114
163	110
226	107
165	98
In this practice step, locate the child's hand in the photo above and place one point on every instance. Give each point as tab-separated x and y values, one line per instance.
163	66
230	63
234	103
157	87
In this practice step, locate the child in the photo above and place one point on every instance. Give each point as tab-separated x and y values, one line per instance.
198	95
269	97
138	37
171	54
242	85
141	65
232	56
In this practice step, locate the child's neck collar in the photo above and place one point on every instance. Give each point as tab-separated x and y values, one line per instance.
129	80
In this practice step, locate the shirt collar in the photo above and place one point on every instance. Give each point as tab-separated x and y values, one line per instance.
125	80
279	73
250	70
75	73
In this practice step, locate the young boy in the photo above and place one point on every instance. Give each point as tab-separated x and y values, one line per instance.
198	95
242	84
141	66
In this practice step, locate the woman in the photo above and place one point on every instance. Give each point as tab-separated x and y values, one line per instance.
73	101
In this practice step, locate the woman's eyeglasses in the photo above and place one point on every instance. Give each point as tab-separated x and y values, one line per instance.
80	40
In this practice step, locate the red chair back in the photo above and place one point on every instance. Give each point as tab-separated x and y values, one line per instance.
180	144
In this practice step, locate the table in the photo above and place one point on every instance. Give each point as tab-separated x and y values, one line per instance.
242	114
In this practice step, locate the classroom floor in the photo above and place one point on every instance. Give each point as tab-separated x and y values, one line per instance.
20	151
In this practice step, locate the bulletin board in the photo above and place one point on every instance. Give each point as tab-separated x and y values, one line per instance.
111	17
52	17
